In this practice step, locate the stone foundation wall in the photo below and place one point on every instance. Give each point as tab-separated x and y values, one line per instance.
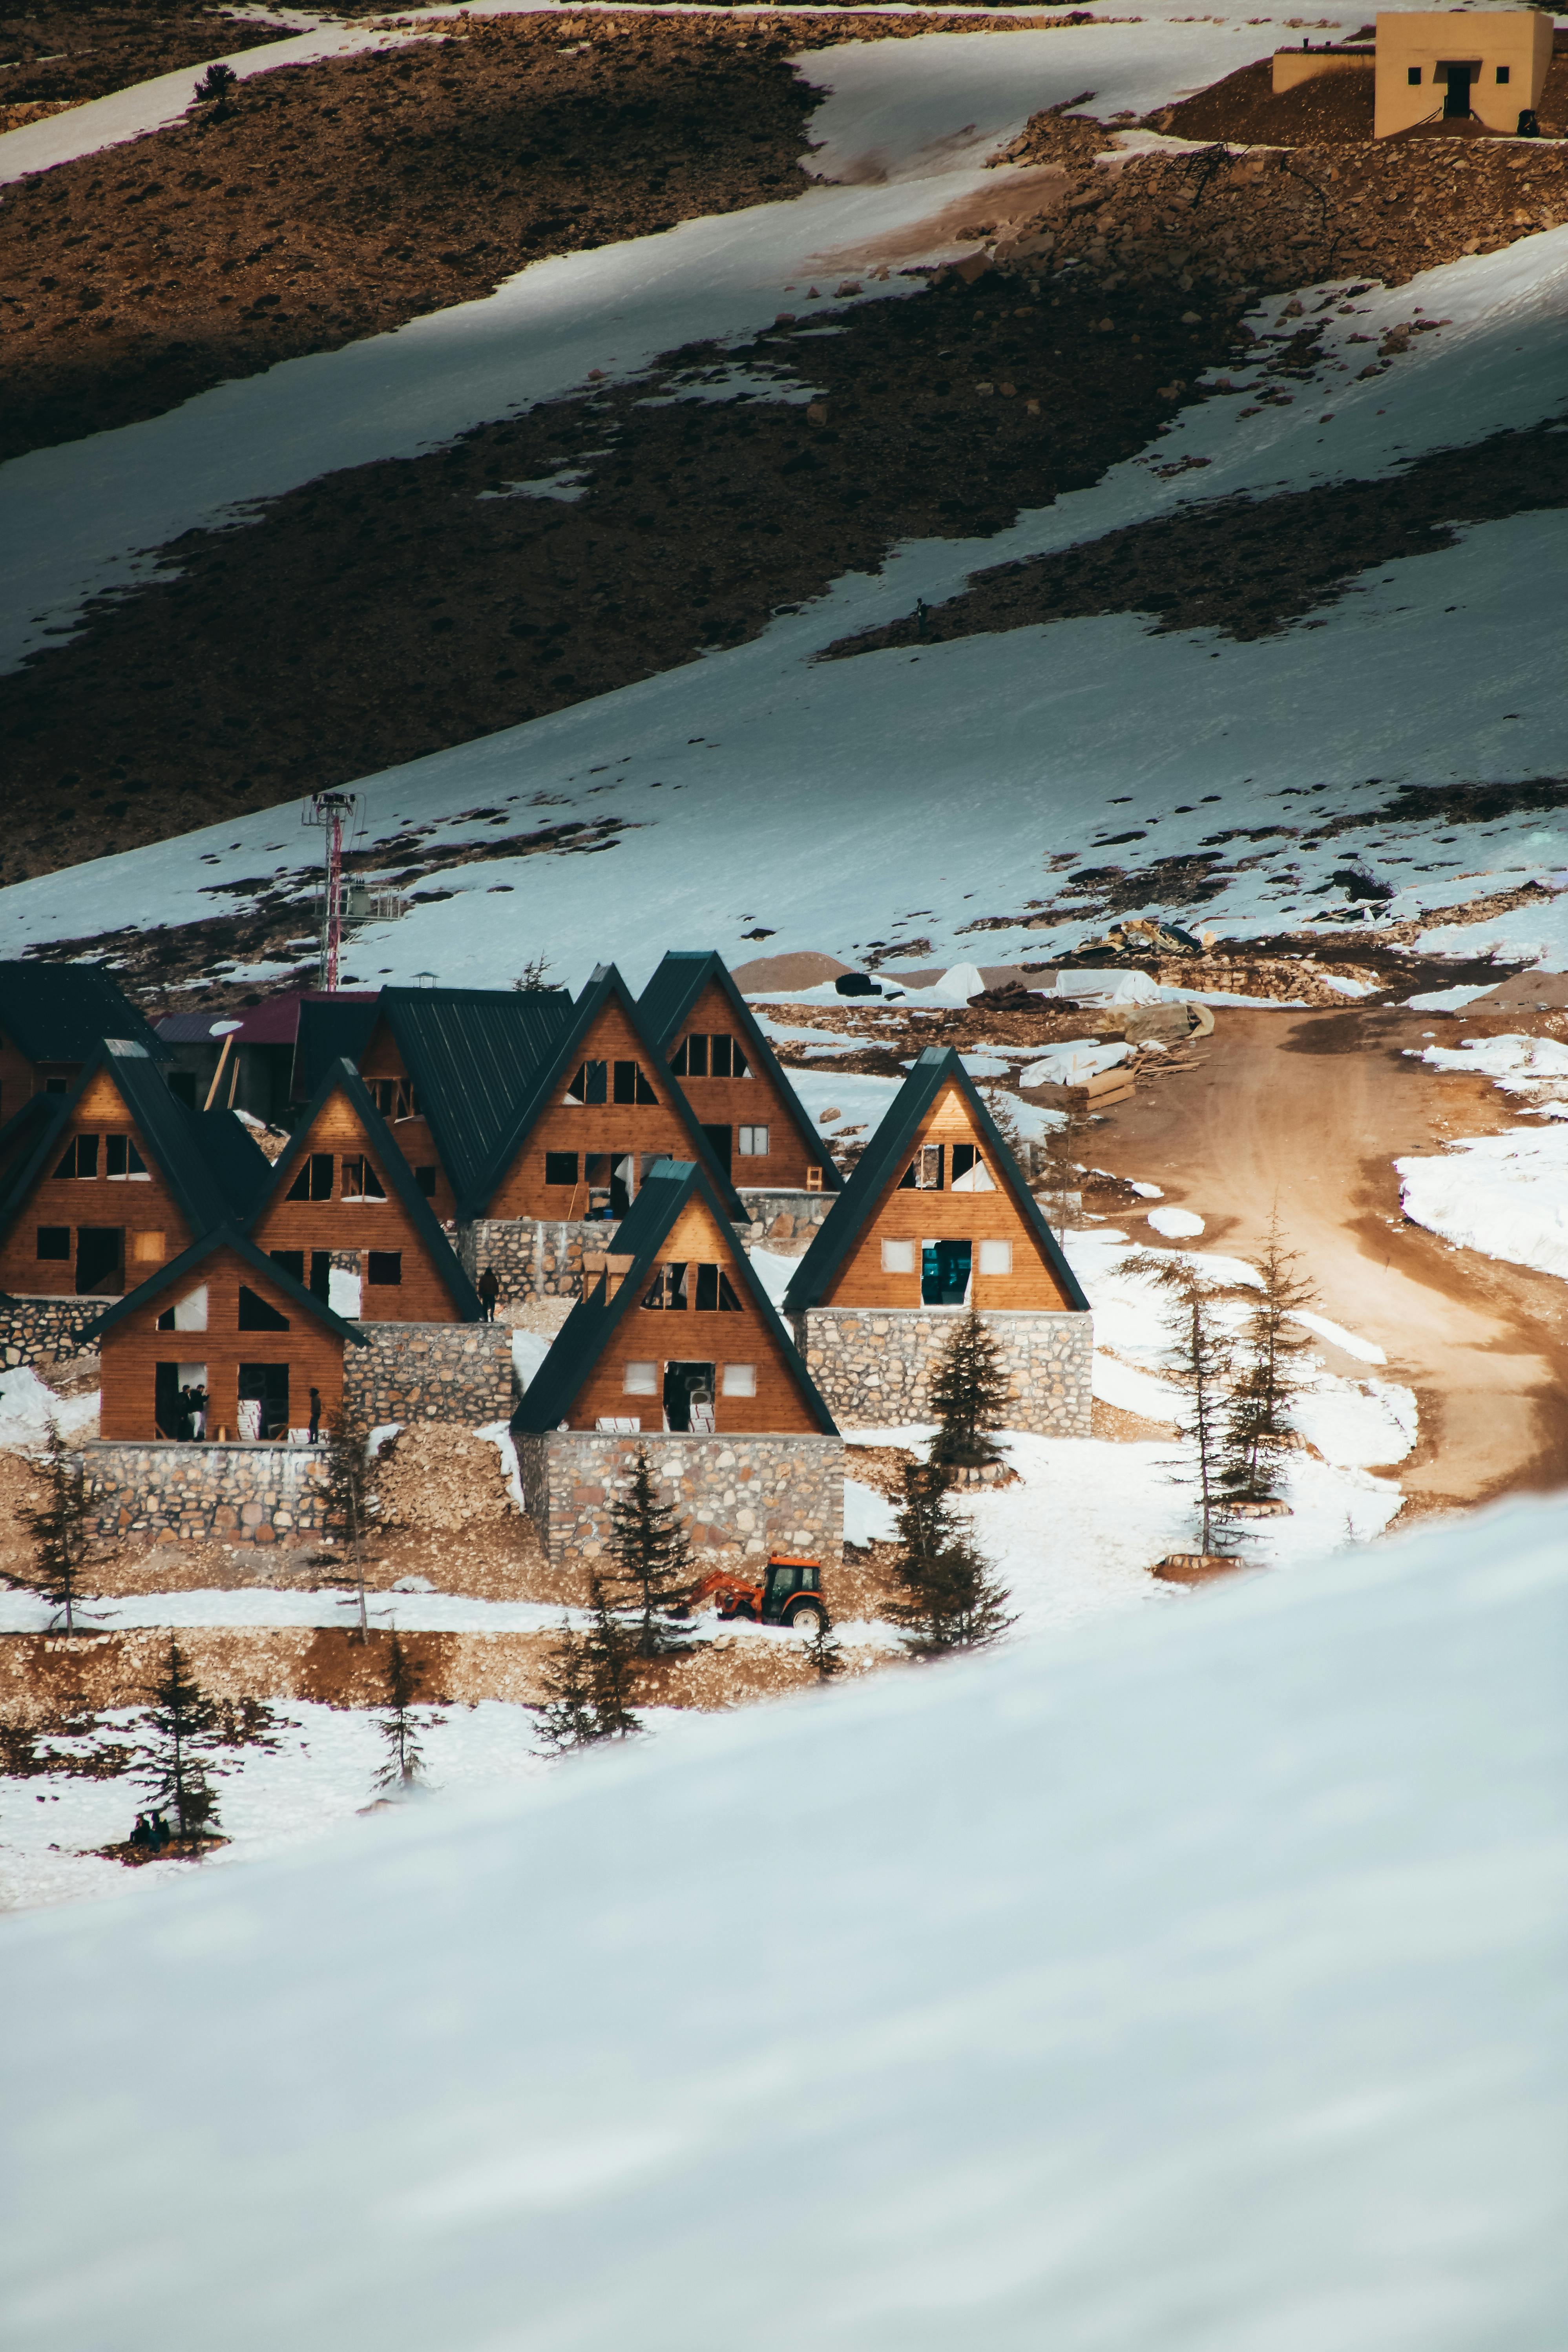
737	1497
785	1223
40	1331
874	1364
530	1258
238	1494
457	1372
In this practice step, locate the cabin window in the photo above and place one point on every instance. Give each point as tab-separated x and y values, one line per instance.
315	1180
705	1055
256	1313
53	1241
970	1173
385	1269
751	1142
640	1380
668	1286
561	1168
590	1083
716	1291
897	1257
361	1182
57	1087
289	1262
923	1174
1413	75
740	1379
394	1097
425	1178
122	1158
996	1257
1502	73
147	1248
80	1156
631	1086
190	1313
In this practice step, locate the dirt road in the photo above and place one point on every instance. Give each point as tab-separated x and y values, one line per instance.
1310	1110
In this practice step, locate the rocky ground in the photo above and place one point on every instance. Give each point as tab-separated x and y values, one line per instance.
56	57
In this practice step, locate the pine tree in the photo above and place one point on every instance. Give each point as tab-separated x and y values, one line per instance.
58	1526
178	1763
969	1391
346	1492
569	1715
953	1601
1203	1360
611	1646
404	1762
824	1652
1258	1428
652	1561
1063	1171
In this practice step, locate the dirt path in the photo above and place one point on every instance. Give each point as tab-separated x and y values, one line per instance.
1311	1109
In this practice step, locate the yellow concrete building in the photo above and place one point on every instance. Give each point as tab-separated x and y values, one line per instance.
1437	64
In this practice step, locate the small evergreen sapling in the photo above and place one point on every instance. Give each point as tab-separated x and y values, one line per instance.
1203	1362
1258	1428
569	1717
952	1600
824	1651
179	1762
347	1493
57	1525
611	1648
969	1391
652	1561
405	1763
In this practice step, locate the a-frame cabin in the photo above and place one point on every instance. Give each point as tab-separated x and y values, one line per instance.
601	1111
676	1333
111	1180
342	1198
936	1214
448	1068
53	1019
710	1043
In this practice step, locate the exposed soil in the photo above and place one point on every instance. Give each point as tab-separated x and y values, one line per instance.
1247	566
417	603
55	57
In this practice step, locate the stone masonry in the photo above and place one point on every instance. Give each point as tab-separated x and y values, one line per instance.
37	1330
238	1494
874	1364
737	1497
458	1372
784	1221
530	1258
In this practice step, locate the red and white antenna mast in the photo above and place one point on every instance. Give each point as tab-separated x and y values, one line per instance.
331	811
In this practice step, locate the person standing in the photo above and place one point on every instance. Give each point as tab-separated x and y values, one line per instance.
315	1416
489	1289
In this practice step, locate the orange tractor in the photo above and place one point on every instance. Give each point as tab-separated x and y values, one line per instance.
790	1594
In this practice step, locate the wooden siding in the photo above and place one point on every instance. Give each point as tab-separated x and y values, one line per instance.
743	1102
135	1347
654	1129
917	1216
421	1297
413	1137
155	1229
682	1336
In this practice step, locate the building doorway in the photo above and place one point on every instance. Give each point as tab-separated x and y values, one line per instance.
720	1141
264	1400
101	1260
944	1273
180	1402
688	1397
1456	97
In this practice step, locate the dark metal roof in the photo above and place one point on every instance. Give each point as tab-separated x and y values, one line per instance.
61	1012
669	1184
236	1159
606	983
474	1055
223	1237
275	1020
885	1158
342	1076
329	1029
206	1167
665	1004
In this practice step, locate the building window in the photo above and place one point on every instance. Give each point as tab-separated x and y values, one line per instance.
715	1292
970	1173
1502	73
57	1087
640	1380
361	1182
897	1257
122	1158
751	1142
631	1086
668	1287
740	1379
80	1156
385	1269
291	1262
426	1180
709	1056
561	1168
53	1241
923	1174
315	1180
147	1248
256	1313
1413	75
590	1083
996	1257
394	1097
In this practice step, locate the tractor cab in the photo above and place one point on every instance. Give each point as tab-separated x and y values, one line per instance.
789	1594
787	1578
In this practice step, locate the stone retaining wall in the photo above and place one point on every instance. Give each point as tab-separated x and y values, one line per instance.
874	1364
38	1330
240	1493
737	1497
530	1258
458	1372
783	1222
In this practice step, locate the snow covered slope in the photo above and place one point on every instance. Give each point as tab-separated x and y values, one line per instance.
1192	1986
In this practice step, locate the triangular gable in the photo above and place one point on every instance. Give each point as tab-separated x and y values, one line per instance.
881	1167
605	988
472	1056
667	1004
640	1241
222	1237
343	1079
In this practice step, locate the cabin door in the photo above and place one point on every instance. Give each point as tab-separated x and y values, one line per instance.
720	1140
1457	103
944	1273
688	1397
101	1259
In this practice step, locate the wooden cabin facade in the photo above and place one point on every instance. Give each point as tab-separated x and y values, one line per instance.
54	1019
713	1048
